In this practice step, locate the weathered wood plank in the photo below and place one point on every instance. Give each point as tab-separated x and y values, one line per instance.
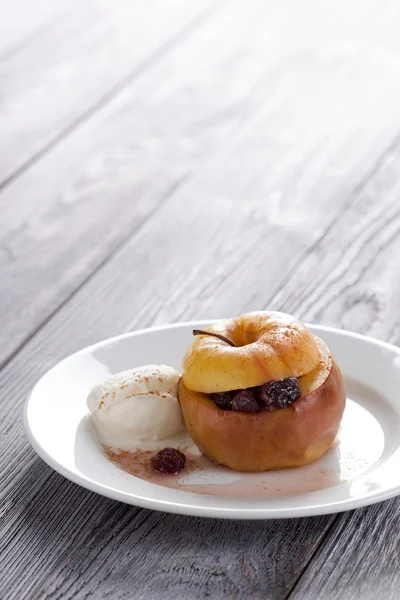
284	216
79	59
361	291
355	282
92	47
78	203
360	559
132	290
102	548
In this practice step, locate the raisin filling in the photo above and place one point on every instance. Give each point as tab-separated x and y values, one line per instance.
270	396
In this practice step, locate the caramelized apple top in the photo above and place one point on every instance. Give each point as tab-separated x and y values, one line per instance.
267	346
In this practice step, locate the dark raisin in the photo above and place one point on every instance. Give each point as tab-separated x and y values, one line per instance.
168	461
223	400
281	393
245	401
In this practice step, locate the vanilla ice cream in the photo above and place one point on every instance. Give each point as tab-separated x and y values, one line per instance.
138	405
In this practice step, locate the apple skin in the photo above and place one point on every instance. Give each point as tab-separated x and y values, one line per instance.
270	345
288	437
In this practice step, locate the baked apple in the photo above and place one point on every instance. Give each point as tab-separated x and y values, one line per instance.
260	392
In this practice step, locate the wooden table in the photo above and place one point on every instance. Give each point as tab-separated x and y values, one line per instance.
163	161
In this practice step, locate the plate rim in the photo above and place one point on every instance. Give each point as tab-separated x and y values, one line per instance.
198	510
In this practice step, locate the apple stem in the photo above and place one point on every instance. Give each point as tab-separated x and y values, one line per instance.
217	335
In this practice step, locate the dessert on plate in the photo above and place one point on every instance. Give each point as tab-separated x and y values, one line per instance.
260	392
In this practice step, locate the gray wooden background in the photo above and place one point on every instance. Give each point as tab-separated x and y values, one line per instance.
168	160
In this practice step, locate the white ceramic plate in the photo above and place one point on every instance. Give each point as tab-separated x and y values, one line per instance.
363	468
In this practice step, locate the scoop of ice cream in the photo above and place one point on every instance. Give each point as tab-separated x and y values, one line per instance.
137	405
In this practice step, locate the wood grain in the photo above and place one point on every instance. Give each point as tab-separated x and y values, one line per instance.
75	560
359	560
101	183
90	49
55	79
360	292
354	275
102	549
277	189
82	200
